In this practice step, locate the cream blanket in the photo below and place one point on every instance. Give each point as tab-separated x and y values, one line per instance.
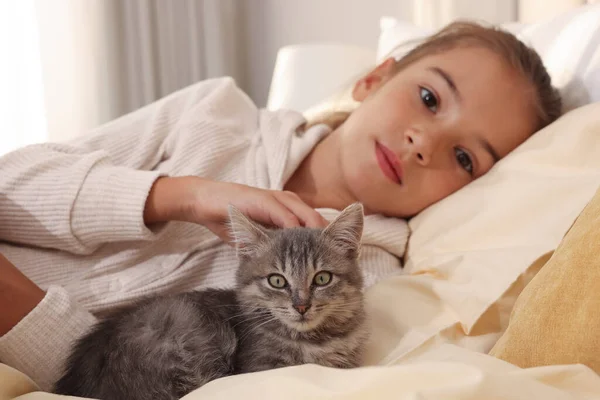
444	373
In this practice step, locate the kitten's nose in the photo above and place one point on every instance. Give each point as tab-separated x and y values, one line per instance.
302	308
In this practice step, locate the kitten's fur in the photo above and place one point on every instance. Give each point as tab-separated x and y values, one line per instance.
165	347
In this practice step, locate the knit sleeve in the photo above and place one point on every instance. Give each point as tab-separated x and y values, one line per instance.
80	195
40	343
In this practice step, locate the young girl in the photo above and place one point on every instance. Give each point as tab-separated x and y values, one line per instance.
138	206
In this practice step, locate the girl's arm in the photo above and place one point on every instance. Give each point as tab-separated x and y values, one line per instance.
18	295
37	329
77	196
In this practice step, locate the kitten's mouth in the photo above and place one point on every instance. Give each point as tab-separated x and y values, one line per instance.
304	323
304	326
302	318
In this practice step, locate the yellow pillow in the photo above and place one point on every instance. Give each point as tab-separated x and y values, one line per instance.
556	319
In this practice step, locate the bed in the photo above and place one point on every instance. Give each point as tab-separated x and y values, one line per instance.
500	284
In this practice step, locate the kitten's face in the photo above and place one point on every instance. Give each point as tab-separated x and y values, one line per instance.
306	278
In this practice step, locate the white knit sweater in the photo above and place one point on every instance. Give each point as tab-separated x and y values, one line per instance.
71	215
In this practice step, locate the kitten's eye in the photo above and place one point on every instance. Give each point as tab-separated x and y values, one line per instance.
277	281
429	100
322	278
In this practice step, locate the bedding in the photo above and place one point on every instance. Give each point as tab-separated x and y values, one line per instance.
468	250
446	373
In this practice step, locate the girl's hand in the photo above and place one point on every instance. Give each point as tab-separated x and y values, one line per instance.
205	202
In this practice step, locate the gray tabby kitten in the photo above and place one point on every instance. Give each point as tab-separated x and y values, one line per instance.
298	300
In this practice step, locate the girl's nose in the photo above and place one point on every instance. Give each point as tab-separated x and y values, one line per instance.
420	145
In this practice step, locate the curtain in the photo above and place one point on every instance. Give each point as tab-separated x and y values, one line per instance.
71	65
170	44
22	113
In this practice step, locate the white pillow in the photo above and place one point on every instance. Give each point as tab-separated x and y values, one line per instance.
308	73
568	44
570	48
398	37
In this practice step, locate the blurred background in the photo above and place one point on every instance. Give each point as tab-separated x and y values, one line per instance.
71	65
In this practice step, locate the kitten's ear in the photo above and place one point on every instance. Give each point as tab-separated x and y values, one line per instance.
249	237
345	231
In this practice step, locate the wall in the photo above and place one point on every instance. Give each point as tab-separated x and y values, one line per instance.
437	13
537	10
268	25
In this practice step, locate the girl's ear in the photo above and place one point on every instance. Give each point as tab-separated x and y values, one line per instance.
373	80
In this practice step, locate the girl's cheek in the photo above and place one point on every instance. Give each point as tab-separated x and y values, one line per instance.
400	111
441	183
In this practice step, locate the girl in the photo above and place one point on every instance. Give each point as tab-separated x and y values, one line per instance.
128	210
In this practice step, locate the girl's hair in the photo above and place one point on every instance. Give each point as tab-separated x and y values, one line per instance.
547	100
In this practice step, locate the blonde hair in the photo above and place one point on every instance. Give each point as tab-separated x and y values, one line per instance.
547	100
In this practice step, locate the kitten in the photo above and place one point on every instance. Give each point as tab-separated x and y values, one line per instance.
298	299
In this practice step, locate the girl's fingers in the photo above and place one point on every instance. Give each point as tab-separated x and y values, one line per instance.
307	215
270	211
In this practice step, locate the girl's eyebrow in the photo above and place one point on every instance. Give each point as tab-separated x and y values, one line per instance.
448	79
488	147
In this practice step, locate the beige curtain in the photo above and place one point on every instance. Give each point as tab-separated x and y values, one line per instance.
170	44
22	115
104	58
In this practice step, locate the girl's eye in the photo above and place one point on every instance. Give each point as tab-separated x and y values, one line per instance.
322	278
429	99
277	281
464	160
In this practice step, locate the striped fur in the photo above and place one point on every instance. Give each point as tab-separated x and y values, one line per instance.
165	347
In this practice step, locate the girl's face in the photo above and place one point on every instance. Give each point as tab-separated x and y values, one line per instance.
430	129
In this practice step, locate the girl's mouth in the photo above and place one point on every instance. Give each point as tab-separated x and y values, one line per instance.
389	163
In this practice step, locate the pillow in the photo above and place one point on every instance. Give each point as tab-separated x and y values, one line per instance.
305	74
398	37
568	44
555	319
481	239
